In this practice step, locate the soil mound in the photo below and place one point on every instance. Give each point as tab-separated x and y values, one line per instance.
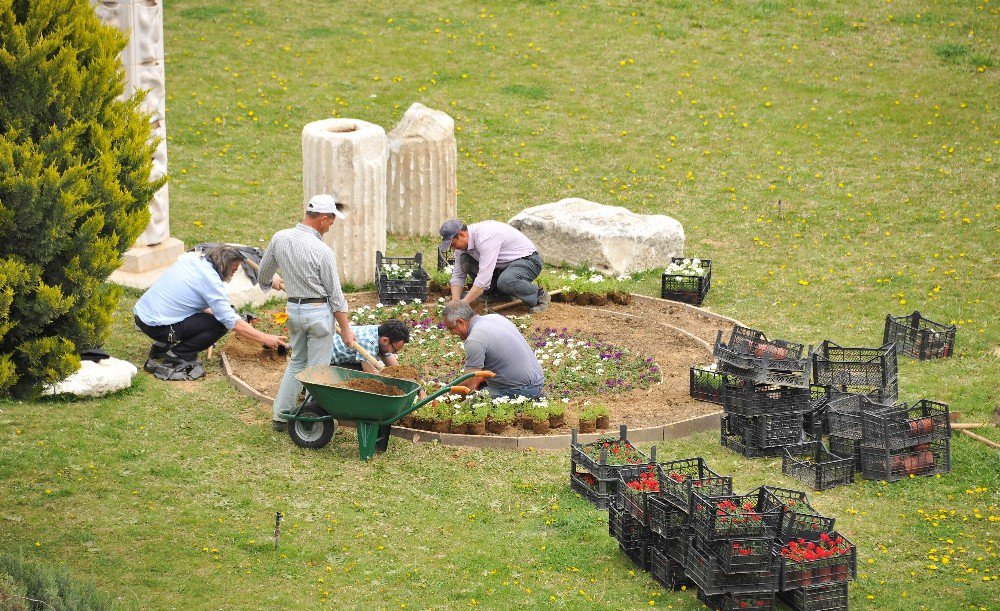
242	348
403	372
372	386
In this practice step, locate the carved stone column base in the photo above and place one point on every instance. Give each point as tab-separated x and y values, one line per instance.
144	264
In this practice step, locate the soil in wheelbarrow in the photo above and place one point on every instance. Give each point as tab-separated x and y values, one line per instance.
372	386
403	372
643	326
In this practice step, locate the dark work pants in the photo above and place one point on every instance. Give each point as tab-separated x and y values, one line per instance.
190	336
516	279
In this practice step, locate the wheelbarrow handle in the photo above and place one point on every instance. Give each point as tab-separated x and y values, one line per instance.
445	390
377	364
481	374
460	390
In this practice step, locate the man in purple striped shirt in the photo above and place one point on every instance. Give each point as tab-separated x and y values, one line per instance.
501	259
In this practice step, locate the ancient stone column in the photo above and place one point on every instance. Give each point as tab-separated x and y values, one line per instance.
349	156
142	62
422	173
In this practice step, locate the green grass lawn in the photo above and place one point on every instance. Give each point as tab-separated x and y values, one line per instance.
874	125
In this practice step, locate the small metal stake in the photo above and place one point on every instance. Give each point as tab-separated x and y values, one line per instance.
277	528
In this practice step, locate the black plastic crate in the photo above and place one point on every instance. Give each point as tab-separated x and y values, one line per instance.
770	431
751	356
919	337
846	412
594	459
857	370
921	460
630	534
906	426
682	476
400	279
832	597
742	555
665	519
729	601
813	464
704	568
799	519
445	258
707	384
666	570
844	446
688	289
590	488
635	502
676	547
820	571
814	419
733	516
732	438
747	399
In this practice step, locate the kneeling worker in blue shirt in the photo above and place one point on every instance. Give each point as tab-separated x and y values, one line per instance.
382	341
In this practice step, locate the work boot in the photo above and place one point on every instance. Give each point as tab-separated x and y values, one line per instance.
543	302
279	426
158	350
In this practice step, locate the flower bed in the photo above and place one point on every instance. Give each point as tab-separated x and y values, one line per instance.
832	559
919	337
686	280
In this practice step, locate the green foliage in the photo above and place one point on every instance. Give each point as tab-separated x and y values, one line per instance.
951	51
22	581
75	163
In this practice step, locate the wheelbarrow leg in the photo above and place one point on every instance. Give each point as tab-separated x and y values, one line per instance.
382	443
368	434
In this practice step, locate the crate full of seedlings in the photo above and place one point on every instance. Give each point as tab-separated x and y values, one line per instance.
857	370
813	464
750	355
829	560
747	399
830	597
919	337
594	466
686	280
631	536
799	519
706	570
731	601
707	383
924	459
686	475
733	516
400	279
637	485
906	425
847	412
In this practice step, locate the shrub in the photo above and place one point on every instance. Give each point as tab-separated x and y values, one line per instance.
26	585
75	184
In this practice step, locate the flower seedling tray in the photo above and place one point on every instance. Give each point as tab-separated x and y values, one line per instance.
630	534
921	460
743	555
687	474
846	412
747	399
750	355
811	569
799	519
688	289
591	488
730	601
637	485
919	337
666	570
865	371
906	426
831	597
732	438
813	464
733	516
604	457
400	279
707	384
707	572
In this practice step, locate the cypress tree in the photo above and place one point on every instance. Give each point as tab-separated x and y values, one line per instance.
75	186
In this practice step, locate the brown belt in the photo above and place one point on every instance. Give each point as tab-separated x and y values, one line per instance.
301	300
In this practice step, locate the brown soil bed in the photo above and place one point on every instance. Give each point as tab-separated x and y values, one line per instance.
371	385
403	372
648	326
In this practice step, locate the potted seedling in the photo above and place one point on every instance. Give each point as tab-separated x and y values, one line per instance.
477	419
557	412
501	415
602	416
539	418
588	420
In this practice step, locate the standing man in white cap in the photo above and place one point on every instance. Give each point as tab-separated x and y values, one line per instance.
501	259
309	272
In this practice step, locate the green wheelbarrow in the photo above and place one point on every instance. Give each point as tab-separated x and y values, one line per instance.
313	423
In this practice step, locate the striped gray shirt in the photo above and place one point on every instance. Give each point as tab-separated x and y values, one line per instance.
307	265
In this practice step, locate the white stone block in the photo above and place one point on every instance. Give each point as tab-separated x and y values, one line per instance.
580	232
95	379
422	183
349	156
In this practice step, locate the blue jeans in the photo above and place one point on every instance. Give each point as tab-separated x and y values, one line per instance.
533	391
310	336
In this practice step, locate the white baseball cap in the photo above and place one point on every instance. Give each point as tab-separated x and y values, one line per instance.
327	203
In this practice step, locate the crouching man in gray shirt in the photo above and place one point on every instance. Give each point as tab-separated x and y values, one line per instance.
493	343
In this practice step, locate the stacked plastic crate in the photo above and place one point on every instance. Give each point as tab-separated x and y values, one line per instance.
594	467
766	392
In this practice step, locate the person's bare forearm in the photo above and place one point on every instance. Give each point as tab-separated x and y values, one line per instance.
473	294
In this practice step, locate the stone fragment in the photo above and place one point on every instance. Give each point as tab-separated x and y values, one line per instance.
95	379
349	156
422	183
575	231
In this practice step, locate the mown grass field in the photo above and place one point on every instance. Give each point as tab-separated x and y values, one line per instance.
875	126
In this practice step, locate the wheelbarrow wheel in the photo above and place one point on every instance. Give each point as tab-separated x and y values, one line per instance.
313	435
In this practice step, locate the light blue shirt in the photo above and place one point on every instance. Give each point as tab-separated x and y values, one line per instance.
188	287
367	337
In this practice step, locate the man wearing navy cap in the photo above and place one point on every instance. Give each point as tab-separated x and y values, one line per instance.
315	299
501	259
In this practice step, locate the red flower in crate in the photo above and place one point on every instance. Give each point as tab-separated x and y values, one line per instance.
807	551
588	479
647	481
733	514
